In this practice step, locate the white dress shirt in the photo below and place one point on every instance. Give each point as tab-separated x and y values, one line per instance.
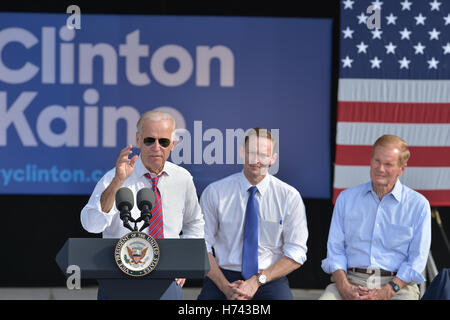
282	221
181	210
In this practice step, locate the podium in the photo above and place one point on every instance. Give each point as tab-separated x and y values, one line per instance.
179	258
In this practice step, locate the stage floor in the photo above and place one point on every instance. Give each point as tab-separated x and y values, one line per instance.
90	293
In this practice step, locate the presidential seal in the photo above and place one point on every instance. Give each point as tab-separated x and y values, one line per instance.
136	254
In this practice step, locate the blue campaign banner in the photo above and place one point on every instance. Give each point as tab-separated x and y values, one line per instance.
72	90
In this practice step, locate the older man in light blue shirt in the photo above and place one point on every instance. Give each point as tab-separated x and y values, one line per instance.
380	232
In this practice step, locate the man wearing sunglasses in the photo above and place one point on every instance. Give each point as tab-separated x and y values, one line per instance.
179	213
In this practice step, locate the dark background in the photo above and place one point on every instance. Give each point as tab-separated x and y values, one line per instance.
34	228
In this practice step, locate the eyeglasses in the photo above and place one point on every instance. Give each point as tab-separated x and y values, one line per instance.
163	142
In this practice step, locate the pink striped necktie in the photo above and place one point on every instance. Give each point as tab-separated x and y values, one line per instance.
156	229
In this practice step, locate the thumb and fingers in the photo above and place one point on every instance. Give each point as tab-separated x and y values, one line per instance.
125	165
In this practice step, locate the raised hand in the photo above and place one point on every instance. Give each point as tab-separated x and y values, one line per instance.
124	169
124	165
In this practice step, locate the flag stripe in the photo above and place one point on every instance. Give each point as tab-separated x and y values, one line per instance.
414	177
437	197
388	90
420	156
366	133
355	111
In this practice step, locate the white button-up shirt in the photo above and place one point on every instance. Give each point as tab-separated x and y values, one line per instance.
282	221
181	210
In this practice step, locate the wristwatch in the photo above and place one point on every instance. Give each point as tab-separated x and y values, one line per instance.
394	286
262	279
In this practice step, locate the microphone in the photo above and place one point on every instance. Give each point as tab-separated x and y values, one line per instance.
145	202
124	203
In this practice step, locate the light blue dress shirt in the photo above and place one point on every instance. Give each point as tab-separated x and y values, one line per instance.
393	234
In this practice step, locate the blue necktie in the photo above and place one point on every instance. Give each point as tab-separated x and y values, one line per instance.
250	247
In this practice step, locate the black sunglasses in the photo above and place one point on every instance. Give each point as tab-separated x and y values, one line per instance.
163	142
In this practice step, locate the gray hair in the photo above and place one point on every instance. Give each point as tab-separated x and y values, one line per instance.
155	115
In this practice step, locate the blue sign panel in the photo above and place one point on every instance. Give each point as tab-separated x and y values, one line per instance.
70	98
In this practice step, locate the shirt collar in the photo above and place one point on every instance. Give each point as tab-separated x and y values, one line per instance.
141	170
261	186
396	191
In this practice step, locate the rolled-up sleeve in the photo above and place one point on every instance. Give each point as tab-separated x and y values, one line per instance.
93	219
336	256
411	269
193	223
295	229
208	202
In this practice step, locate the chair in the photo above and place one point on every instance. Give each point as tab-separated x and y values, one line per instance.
439	288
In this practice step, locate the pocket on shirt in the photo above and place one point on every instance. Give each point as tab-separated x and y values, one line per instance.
398	237
270	233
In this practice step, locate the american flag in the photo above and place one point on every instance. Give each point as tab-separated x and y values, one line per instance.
395	80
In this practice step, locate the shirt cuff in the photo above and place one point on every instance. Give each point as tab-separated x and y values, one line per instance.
93	219
295	252
407	274
208	246
108	216
330	265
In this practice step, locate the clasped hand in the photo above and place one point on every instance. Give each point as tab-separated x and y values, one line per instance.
242	290
352	292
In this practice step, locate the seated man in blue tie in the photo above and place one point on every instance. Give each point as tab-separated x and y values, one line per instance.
255	228
380	232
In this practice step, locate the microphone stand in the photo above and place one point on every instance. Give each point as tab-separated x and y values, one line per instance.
146	215
125	216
